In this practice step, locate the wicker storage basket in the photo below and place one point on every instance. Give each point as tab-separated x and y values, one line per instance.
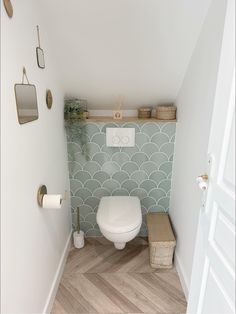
166	112
161	240
145	113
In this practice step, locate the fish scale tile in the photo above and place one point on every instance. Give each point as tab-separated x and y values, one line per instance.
144	171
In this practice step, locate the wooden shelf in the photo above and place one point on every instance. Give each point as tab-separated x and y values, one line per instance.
124	120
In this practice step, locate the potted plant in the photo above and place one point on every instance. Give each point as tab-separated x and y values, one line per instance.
78	235
86	112
73	109
76	113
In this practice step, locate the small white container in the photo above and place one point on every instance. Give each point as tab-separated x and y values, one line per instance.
78	239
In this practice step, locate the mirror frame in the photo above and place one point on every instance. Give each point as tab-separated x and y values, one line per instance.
17	105
49	99
38	61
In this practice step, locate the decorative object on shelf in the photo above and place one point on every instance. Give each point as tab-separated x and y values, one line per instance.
145	112
118	114
84	105
86	114
8	7
75	109
166	112
26	100
78	235
40	53
49	99
75	122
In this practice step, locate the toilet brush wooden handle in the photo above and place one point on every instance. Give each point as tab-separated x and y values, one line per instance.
78	220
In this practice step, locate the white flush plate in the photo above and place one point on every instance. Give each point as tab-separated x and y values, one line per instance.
120	137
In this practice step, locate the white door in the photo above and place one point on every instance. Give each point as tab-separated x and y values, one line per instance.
212	287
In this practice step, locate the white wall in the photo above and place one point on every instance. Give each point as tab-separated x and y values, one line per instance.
195	104
137	48
33	239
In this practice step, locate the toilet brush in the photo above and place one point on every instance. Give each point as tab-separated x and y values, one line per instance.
78	220
78	235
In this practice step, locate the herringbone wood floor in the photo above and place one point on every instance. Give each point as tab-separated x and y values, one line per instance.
100	279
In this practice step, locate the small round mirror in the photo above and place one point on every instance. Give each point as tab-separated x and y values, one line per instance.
8	7
49	99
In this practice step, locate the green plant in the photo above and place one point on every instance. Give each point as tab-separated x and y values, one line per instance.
75	124
76	107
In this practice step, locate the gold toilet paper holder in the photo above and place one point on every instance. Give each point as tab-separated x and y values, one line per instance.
41	192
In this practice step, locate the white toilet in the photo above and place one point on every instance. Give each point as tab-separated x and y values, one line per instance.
119	219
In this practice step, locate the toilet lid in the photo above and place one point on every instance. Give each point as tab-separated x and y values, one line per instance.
119	214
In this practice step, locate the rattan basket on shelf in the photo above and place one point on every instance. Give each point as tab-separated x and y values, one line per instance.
166	112
145	113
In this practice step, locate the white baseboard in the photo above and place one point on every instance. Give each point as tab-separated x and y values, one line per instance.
57	278
182	276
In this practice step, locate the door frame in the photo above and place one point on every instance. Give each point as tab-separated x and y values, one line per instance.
224	78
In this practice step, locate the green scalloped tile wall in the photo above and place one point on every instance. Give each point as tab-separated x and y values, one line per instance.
96	170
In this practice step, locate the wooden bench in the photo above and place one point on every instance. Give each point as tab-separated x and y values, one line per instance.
161	240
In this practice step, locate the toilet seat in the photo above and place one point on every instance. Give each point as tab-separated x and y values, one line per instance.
119	214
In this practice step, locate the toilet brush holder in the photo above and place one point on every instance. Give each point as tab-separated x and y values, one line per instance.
78	239
78	235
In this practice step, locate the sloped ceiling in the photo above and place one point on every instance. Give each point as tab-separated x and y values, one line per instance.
136	48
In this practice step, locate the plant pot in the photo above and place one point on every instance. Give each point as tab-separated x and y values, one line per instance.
78	239
76	115
66	116
85	114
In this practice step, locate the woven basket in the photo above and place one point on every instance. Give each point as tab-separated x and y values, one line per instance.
161	254
166	112
161	240
145	113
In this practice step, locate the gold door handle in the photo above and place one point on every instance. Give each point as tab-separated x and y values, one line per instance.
202	181
203	177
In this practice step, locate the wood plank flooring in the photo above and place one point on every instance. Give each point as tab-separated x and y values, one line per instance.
100	279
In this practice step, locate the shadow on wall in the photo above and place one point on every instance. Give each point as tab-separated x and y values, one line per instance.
97	170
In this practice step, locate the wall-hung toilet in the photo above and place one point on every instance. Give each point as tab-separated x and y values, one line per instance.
119	218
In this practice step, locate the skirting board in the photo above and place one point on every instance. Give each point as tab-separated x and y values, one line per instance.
182	276
57	278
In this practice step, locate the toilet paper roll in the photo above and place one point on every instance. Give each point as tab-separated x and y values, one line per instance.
52	201
203	185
